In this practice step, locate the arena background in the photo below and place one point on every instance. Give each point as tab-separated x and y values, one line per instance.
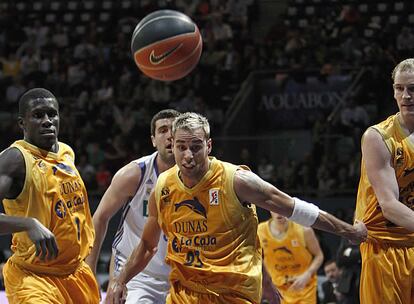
288	86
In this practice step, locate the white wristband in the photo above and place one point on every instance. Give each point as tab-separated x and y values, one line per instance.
304	213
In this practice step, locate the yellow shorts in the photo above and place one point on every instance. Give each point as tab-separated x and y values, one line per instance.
181	295
23	286
307	295
387	274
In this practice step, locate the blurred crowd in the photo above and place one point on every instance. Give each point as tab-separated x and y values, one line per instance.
84	57
106	102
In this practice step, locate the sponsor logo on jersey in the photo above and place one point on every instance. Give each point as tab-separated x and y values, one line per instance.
63	167
283	249
60	209
165	193
70	187
284	255
42	166
194	242
408	171
194	205
294	243
195	226
213	195
399	157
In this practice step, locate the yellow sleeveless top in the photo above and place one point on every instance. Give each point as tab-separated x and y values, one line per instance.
286	258
55	194
212	238
367	207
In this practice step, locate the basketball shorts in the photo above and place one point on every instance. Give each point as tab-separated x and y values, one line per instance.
24	286
387	274
180	295
308	295
143	288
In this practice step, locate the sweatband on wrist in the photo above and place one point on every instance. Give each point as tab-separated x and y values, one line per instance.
304	213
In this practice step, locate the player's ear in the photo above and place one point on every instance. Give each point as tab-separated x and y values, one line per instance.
20	122
209	145
153	141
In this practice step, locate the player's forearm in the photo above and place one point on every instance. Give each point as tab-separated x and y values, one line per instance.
316	263
137	262
12	224
329	223
101	228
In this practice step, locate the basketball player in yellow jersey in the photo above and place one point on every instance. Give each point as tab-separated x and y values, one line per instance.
203	206
292	256
39	181
385	199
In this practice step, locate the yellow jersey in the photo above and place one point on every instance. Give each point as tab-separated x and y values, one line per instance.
285	258
368	209
55	194
212	238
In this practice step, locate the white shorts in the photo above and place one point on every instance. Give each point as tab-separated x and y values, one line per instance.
143	288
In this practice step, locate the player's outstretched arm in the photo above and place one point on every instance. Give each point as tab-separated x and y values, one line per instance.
381	175
252	189
123	186
139	258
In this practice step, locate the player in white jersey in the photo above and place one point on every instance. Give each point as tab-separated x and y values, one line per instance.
130	189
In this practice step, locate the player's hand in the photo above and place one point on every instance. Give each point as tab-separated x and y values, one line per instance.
117	293
300	281
43	239
360	234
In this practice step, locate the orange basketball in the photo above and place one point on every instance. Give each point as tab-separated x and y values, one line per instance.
166	45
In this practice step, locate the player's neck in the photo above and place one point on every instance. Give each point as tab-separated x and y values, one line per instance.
407	123
162	165
190	182
278	230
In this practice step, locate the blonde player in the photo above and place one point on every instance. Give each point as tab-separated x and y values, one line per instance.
38	180
203	205
130	189
385	199
292	256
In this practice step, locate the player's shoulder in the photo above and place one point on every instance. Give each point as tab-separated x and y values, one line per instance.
11	159
373	133
150	158
130	174
64	147
130	171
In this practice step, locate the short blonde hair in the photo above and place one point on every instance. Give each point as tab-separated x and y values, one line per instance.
406	65
191	121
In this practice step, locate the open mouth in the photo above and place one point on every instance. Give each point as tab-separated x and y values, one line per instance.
188	167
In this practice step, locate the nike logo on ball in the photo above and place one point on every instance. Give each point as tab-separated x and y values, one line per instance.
154	59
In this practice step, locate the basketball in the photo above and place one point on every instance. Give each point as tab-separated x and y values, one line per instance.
166	45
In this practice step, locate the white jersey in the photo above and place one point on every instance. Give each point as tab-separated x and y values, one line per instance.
134	217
